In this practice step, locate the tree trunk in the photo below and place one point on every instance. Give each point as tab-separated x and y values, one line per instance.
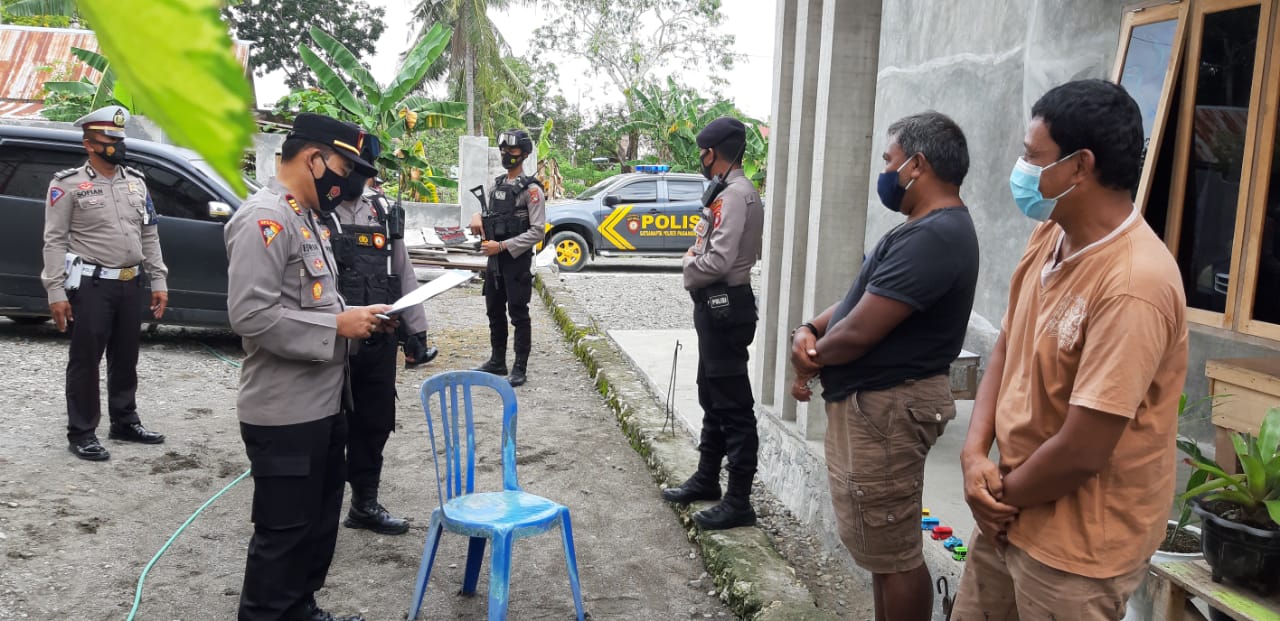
469	78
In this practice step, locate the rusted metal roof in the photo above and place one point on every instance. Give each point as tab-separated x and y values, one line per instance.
31	56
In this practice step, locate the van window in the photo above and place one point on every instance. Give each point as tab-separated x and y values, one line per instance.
26	172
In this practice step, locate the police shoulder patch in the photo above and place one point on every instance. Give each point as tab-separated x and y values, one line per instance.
55	193
270	230
63	174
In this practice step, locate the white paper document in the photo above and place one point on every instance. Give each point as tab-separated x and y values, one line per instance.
442	283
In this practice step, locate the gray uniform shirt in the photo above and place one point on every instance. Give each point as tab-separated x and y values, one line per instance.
106	221
728	237
283	300
363	213
534	200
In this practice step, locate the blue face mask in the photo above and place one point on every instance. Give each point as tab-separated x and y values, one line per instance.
1024	182
891	194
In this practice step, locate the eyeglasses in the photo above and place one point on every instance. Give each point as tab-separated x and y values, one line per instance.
509	139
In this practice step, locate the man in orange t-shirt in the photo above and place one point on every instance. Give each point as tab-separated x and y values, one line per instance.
1081	391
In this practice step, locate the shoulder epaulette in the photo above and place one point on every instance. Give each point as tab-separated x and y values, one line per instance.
63	174
135	172
525	181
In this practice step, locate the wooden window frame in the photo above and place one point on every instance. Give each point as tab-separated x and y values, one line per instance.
1142	15
1260	192
1182	149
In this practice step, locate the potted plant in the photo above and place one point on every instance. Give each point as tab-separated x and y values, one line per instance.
1240	513
1182	540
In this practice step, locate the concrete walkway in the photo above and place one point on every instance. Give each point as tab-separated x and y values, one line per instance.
651	352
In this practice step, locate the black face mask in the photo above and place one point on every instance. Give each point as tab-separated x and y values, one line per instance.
329	187
113	153
511	161
354	187
706	168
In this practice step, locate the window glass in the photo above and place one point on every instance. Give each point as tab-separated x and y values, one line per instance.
1221	115
639	192
684	190
1266	301
174	195
26	172
1145	65
595	189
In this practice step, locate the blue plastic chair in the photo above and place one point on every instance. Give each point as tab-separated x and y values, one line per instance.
502	516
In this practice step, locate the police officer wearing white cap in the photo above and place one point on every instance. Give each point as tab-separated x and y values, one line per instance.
717	274
282	297
99	239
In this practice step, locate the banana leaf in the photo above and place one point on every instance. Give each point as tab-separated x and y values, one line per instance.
417	62
349	64
81	88
331	81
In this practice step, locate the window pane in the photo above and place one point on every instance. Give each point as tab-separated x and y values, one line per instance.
1145	65
684	190
26	172
1266	302
176	196
1222	93
640	192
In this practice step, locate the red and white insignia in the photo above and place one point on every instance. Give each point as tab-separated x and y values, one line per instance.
379	240
324	233
55	194
318	263
335	192
270	230
317	290
533	193
306	233
87	185
633	224
715	213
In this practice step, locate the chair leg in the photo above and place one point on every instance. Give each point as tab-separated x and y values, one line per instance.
475	557
500	576
571	561
424	568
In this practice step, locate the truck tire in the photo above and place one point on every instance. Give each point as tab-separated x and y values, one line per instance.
572	252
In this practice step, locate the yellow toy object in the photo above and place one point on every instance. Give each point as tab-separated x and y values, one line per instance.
925	513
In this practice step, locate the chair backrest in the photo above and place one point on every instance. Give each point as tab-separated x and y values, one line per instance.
458	436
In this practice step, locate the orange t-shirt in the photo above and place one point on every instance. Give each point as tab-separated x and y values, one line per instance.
1103	329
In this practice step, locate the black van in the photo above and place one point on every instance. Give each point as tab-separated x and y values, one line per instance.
192	202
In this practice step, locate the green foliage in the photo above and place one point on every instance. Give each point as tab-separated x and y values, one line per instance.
277	27
104	92
174	59
1257	490
63	106
1187	412
42	13
390	112
311	100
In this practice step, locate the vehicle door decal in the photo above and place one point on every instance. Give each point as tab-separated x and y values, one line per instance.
609	231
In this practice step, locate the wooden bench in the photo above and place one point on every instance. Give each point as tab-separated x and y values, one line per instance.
1249	386
1176	581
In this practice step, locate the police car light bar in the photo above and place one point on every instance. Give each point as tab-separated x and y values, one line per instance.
653	168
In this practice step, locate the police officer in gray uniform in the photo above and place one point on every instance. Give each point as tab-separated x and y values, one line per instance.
717	273
99	238
374	268
282	297
512	223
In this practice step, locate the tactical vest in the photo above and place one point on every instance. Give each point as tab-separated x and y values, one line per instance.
503	221
364	261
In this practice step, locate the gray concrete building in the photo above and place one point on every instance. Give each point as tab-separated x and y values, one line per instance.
845	69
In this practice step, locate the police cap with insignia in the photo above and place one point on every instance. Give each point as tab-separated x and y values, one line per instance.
109	120
346	139
722	130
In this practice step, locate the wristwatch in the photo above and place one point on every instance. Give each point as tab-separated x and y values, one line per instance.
812	330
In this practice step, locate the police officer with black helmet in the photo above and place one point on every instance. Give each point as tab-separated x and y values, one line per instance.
367	234
717	274
511	222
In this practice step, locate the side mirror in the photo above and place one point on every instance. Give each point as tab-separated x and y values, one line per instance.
611	200
219	210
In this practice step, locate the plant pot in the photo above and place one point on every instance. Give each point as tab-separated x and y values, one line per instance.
1239	554
1140	606
1194	531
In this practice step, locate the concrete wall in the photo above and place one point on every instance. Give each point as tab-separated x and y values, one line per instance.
479	164
430	215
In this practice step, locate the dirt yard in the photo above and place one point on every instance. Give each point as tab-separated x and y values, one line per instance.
75	535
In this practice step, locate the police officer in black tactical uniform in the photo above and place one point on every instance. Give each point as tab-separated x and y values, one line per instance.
717	273
511	222
367	234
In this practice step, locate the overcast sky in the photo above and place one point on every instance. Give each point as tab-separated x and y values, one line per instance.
749	84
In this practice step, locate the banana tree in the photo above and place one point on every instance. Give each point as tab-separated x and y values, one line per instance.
105	92
389	112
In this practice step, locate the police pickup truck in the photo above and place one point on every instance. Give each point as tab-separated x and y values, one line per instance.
191	200
651	212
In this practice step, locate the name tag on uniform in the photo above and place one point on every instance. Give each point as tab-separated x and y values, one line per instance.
500	195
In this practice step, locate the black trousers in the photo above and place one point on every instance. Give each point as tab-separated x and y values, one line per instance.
724	392
373	392
108	318
298	479
508	286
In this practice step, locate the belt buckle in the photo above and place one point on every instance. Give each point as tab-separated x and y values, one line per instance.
128	273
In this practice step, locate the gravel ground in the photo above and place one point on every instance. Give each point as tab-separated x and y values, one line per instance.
75	535
648	294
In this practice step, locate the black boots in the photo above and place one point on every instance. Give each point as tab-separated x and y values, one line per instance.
517	377
367	514
496	365
698	487
732	512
